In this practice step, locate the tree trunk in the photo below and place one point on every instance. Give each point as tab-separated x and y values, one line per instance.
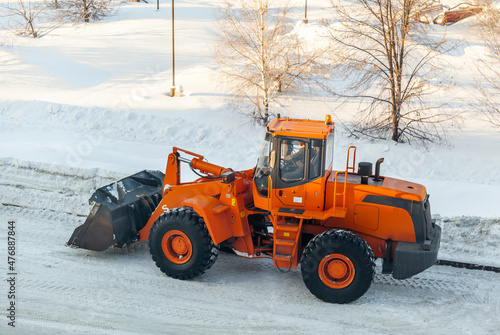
395	124
265	100
32	29
266	112
86	14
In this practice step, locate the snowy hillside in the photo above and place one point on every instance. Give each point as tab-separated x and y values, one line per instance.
88	104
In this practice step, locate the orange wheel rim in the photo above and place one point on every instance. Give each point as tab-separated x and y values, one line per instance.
177	247
336	271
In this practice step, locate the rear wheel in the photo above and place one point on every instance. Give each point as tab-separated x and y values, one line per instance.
338	266
180	244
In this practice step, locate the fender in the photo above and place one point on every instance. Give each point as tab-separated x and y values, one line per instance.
209	208
214	215
144	232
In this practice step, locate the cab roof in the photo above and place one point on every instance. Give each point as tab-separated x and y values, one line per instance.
301	128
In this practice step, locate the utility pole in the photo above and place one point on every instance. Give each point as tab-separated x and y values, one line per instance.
172	89
305	14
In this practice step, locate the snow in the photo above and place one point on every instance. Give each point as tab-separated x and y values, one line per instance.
87	105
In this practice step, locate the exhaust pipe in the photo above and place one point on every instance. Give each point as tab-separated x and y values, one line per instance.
377	169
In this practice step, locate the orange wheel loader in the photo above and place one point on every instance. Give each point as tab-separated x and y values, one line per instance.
293	207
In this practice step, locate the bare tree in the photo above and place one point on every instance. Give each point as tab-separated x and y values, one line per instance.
33	18
260	56
84	10
488	67
389	63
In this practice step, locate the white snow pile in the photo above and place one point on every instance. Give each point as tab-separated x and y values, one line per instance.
470	239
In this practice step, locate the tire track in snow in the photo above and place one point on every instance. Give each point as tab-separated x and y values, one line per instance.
191	304
110	283
49	187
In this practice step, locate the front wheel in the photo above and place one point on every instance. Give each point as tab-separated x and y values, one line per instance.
180	244
338	266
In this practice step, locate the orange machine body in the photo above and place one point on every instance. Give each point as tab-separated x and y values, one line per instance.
237	205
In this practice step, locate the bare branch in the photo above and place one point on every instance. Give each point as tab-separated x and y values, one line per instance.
34	18
488	67
261	56
386	62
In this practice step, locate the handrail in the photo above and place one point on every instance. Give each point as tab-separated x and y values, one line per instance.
347	167
347	170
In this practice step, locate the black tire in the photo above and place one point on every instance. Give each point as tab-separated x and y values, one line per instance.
338	266
184	227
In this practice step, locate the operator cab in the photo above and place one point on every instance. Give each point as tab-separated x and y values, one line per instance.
297	159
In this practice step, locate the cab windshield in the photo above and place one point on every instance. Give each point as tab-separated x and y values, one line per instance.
263	169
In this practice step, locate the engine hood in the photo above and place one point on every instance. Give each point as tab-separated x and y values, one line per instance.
397	188
403	189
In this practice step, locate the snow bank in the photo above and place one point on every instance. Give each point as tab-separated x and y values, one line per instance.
470	239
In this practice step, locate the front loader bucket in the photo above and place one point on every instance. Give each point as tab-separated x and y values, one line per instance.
121	209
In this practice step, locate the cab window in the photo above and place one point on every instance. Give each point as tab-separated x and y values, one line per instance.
329	152
315	159
292	158
263	169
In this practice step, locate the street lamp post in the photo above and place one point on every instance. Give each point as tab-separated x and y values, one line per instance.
305	14
172	89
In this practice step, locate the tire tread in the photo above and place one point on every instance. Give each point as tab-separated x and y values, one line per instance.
191	221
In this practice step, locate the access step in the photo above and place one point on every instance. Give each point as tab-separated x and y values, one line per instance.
283	257
289	243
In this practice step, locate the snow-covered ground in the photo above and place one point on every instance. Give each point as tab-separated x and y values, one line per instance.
88	104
